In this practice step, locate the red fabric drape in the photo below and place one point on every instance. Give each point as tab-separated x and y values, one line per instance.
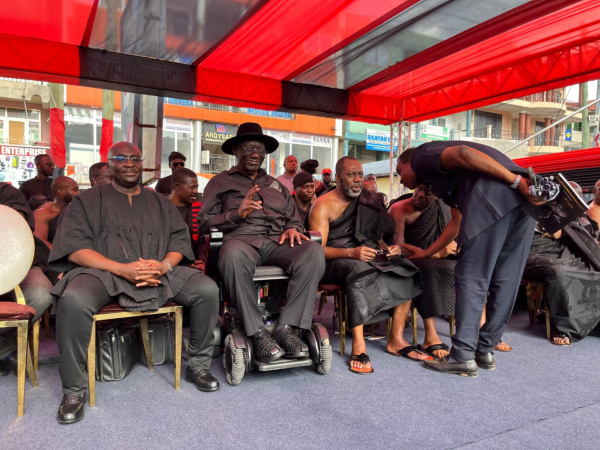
57	137
106	141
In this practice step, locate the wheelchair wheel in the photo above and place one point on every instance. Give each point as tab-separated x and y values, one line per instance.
234	361
325	351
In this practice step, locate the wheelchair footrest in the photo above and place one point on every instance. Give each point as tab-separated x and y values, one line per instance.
282	363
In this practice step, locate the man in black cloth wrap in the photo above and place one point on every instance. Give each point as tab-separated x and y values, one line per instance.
488	189
260	221
568	264
120	242
354	224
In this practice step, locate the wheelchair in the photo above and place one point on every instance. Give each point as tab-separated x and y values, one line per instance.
238	354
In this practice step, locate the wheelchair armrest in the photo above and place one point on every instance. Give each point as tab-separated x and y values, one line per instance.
212	243
315	236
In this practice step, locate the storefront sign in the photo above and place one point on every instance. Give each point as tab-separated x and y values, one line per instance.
275	114
217	133
435	133
279	135
79	115
321	141
16	162
302	139
177	125
116	118
379	140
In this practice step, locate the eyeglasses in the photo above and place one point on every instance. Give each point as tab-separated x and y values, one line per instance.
124	159
249	150
178	164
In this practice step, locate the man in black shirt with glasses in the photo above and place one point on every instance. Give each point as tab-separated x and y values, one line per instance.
176	160
261	226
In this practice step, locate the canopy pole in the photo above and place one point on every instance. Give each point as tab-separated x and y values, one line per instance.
552	125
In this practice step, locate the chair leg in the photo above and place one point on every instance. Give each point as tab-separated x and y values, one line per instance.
35	339
322	302
342	318
91	365
530	303
178	343
31	370
388	329
451	321
21	356
47	324
538	299
413	313
146	341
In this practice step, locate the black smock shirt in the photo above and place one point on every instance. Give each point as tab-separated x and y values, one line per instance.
101	219
481	199
35	186
164	186
223	196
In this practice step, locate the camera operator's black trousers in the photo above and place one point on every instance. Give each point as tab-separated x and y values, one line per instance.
86	295
489	268
304	263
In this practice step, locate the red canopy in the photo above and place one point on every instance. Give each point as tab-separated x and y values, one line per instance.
376	61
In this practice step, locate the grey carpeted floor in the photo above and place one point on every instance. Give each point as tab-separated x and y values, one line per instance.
542	396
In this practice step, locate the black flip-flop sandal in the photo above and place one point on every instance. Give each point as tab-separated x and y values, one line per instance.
406	350
434	348
363	358
560	336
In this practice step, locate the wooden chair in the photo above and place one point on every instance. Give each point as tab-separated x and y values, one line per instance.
413	320
341	308
534	302
17	315
114	311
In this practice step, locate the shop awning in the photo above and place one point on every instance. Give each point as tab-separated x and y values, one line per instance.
376	61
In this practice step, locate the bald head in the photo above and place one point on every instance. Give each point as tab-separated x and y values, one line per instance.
64	189
121	147
125	161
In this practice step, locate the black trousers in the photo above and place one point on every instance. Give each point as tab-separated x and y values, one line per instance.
304	263
489	268
86	295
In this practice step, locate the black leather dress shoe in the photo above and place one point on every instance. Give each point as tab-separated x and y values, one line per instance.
266	350
485	361
71	409
3	368
444	365
203	380
293	346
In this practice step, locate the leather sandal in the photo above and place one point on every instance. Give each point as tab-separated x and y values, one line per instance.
408	349
434	348
506	347
363	358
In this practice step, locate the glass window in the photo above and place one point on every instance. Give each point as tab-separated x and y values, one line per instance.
2	112
34	132
276	159
168	146
302	152
1	131
79	143
184	145
323	155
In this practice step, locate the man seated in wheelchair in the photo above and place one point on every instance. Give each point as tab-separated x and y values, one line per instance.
261	226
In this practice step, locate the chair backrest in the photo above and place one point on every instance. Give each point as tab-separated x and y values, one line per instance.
16	248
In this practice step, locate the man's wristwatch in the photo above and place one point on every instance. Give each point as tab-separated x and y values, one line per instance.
516	183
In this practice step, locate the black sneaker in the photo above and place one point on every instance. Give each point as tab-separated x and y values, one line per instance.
266	349
294	346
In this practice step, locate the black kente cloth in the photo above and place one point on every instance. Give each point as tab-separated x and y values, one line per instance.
439	294
101	219
569	269
372	288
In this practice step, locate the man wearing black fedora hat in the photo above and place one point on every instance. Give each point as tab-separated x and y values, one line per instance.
261	226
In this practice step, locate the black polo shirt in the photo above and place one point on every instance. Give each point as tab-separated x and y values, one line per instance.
481	199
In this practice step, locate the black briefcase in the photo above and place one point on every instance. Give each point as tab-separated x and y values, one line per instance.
162	342
117	351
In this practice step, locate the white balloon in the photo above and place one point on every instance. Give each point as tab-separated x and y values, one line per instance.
16	248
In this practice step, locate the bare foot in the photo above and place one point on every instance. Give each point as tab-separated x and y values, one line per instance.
395	345
359	347
561	340
503	347
438	353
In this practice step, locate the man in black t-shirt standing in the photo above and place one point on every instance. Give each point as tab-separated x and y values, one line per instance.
41	184
488	189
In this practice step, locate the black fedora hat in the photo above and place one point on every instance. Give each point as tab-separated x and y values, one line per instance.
250	131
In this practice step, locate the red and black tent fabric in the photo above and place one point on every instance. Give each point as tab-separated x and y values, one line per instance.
581	166
378	61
